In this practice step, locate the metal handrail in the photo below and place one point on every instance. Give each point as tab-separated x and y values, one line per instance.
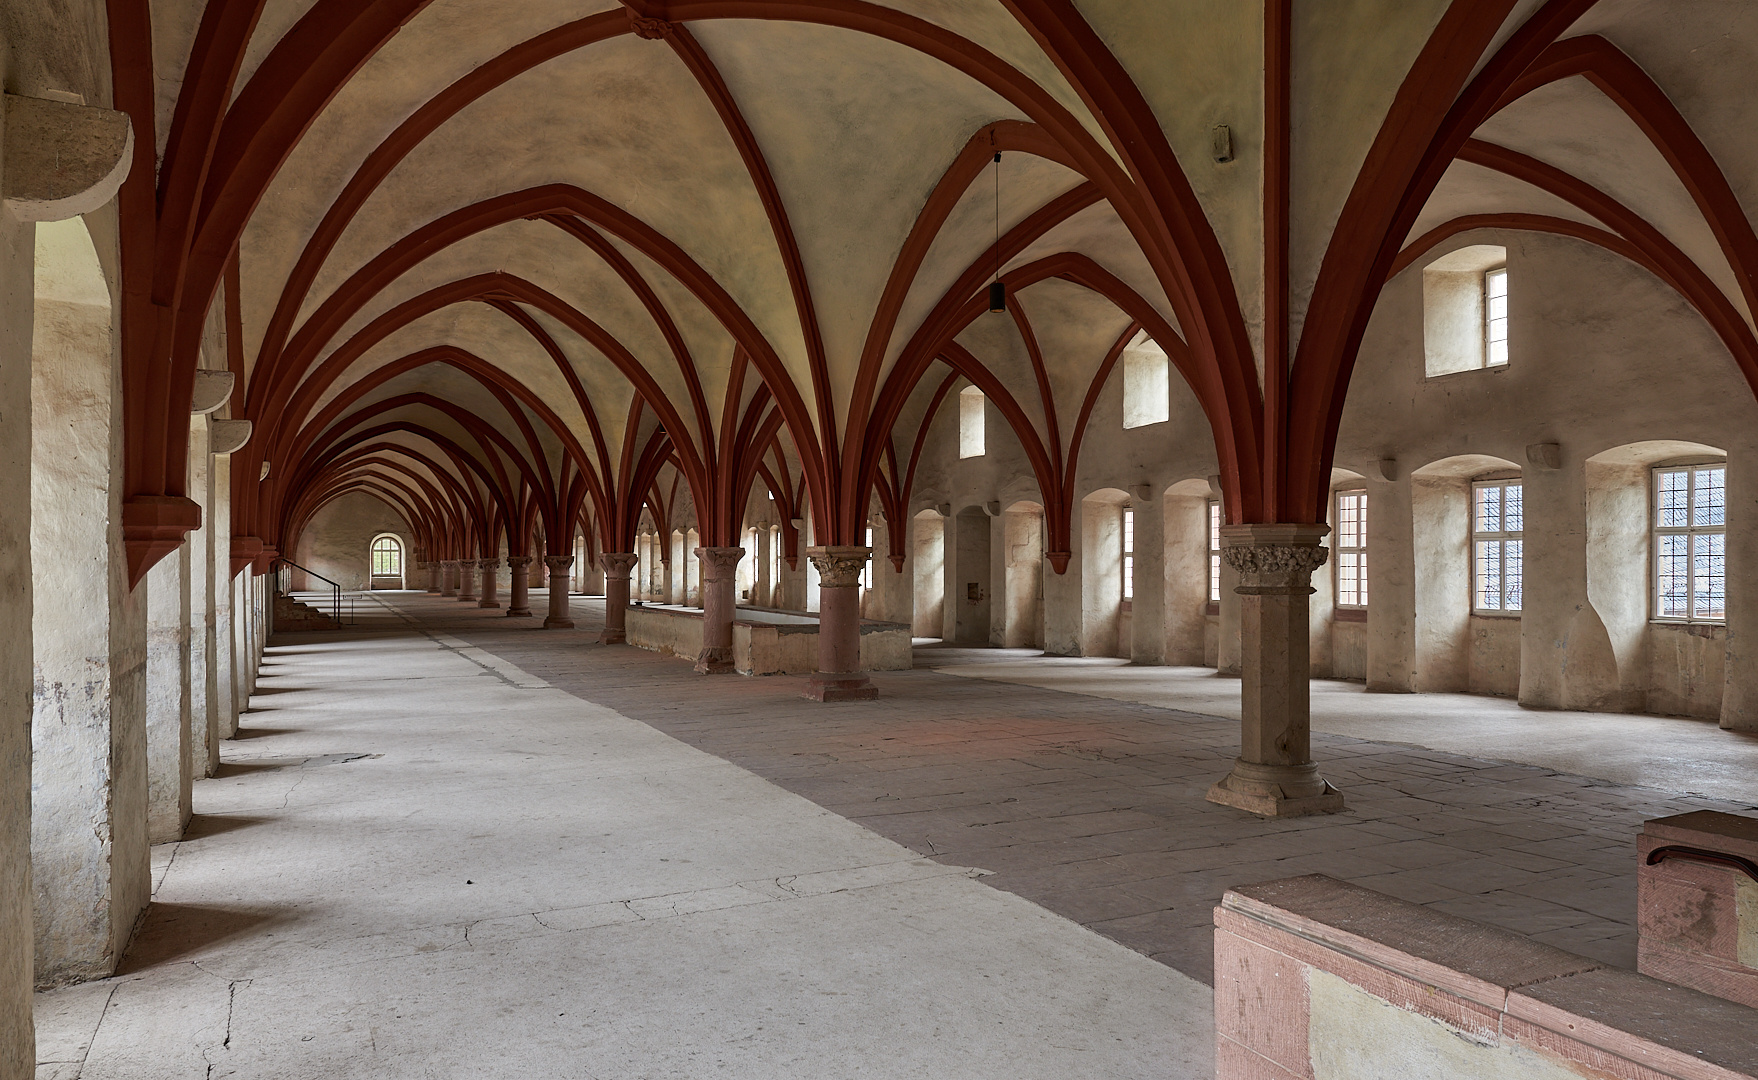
281	564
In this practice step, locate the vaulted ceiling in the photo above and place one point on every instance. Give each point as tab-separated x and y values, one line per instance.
509	263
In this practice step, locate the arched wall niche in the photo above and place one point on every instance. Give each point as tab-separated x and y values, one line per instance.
928	553
1022	599
380	568
972	577
1105	628
1193	621
1456	651
1637	662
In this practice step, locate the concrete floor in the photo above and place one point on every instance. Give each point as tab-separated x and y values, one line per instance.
1669	753
419	860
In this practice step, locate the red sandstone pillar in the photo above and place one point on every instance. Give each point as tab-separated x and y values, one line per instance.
558	592
519	605
467	580
488	568
616	566
1275	775
720	570
839	676
449	578
434	571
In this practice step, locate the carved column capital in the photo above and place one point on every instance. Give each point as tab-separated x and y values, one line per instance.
839	567
558	564
720	563
617	564
518	562
1277	558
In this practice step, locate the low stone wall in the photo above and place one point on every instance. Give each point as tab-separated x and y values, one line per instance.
1316	978
766	643
1697	906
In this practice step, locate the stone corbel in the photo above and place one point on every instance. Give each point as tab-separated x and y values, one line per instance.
229	436
1545	455
63	159
212	390
153	526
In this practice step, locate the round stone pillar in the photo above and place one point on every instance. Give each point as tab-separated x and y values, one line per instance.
558	566
467	580
519	605
1275	775
449	578
488	568
435	573
720	571
616	566
839	676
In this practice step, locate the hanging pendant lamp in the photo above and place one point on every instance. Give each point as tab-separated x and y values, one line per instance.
997	287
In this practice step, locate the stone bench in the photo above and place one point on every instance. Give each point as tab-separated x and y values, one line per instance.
1697	905
1318	979
765	641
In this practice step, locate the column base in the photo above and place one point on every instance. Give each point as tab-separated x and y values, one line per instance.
495	604
715	660
553	623
840	686
519	613
607	636
1276	790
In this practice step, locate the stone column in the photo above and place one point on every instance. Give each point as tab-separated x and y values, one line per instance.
519	604
488	568
558	592
839	676
616	566
1275	775
448	578
467	580
436	576
168	734
720	603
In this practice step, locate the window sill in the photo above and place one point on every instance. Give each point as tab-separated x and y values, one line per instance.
1504	616
1349	614
1702	629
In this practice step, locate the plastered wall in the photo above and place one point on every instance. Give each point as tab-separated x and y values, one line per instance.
338	541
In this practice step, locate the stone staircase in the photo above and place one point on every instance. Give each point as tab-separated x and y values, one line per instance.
293	615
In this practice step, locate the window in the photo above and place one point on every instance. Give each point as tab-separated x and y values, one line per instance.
774	563
1497	547
1352	549
867	568
1690	543
970	422
1465	310
1147	383
387	557
1128	554
1495	317
1214	552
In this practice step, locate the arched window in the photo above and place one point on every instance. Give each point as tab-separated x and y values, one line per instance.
387	557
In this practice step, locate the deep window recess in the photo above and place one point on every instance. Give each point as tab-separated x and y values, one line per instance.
1352	548
1147	383
387	557
1690	543
1497	546
1128	554
1214	552
970	423
1495	317
867	570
